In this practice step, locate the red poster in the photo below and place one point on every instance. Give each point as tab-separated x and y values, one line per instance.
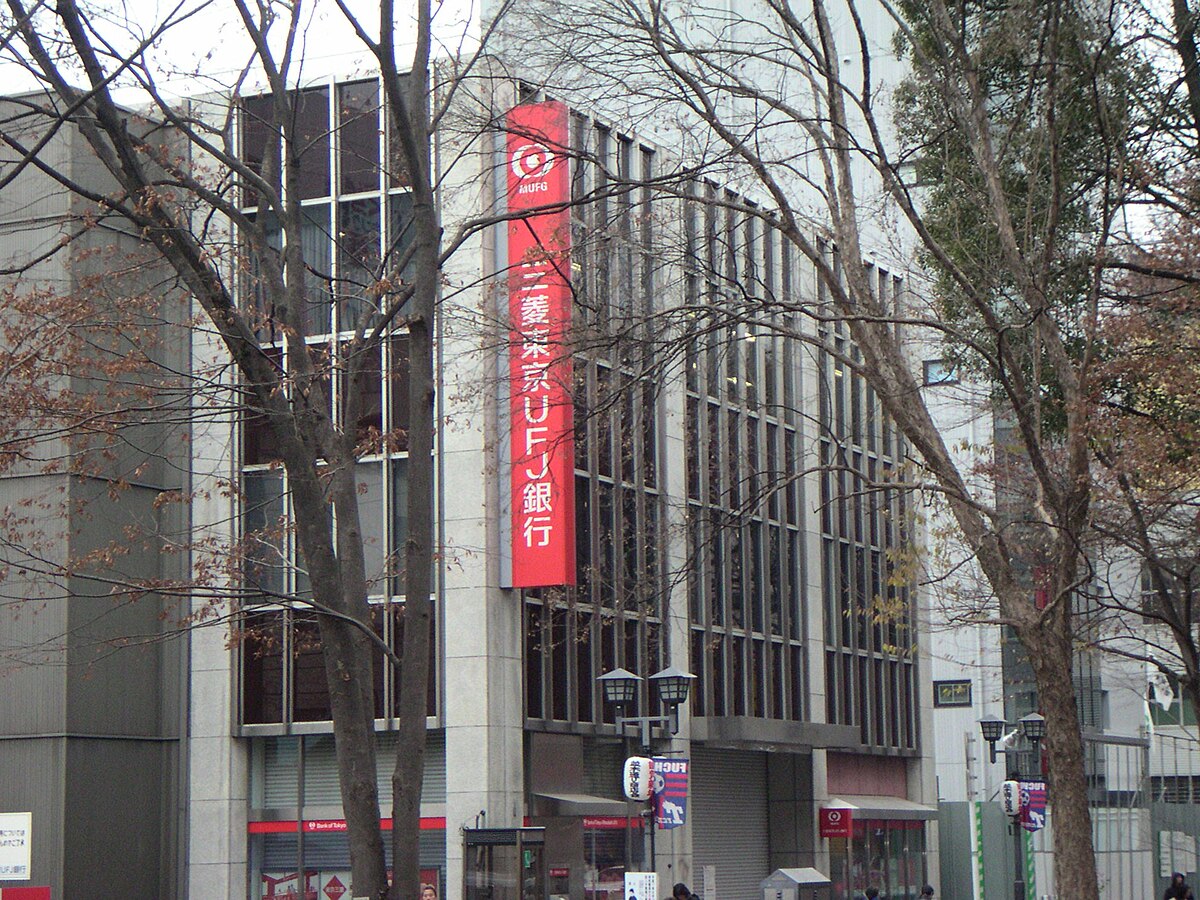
543	452
836	823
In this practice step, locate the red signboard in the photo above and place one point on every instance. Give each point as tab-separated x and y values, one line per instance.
836	823
539	293
428	823
612	822
25	893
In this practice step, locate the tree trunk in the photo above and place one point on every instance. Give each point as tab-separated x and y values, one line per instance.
1048	645
412	102
347	654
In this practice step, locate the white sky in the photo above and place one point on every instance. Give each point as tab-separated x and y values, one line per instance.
208	46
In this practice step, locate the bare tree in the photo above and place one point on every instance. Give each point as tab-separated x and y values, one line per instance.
181	182
1017	124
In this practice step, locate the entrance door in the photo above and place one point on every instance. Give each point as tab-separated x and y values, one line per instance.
505	864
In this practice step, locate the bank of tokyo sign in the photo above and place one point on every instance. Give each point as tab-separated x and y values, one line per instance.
541	414
16	844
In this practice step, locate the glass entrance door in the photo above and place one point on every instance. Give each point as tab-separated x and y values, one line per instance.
505	864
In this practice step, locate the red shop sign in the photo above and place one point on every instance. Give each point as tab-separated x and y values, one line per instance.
539	298
836	822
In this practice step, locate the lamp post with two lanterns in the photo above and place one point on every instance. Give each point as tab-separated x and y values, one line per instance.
1033	728
621	689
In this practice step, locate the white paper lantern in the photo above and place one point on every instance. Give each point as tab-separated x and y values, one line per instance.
638	777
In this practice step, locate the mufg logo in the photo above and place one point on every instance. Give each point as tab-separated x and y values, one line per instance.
530	164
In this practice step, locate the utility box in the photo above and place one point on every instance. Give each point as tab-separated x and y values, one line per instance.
796	884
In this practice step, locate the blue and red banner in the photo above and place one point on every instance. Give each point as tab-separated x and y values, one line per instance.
670	791
1033	805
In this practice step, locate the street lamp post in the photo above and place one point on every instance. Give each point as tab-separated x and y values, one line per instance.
621	690
1033	728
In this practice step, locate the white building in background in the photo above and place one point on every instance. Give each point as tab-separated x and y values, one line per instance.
1142	756
687	554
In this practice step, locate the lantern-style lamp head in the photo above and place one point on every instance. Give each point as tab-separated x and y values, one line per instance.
1033	726
672	685
993	729
620	686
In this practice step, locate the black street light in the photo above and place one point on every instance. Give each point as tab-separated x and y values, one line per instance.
620	687
621	690
672	686
1033	728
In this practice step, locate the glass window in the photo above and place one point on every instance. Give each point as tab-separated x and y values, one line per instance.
399	520
265	533
262	667
358	135
259	444
369	477
312	137
315	238
359	273
939	371
310	690
260	137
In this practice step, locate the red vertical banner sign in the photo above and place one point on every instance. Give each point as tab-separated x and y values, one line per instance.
539	291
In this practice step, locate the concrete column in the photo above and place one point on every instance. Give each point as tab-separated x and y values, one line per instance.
481	634
218	780
673	848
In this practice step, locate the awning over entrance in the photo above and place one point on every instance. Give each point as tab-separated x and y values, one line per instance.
564	804
872	807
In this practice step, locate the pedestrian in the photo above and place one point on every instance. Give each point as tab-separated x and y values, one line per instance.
1179	889
682	892
927	891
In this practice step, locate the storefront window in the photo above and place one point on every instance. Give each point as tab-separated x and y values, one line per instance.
888	854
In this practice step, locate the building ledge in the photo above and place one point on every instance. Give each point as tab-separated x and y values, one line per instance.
746	733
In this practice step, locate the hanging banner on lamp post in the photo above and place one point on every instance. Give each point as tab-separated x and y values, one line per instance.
539	292
670	791
1033	804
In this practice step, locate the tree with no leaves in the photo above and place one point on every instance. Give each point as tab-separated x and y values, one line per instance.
180	181
1001	151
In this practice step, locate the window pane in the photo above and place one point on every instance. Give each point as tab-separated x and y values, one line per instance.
533	661
318	269
257	290
400	235
262	667
368	391
358	262
265	533
358	132
369	477
312	139
310	701
398	389
399	520
258	132
259	444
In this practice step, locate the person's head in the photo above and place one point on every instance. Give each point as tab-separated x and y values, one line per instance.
1177	878
680	891
872	893
927	891
428	892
